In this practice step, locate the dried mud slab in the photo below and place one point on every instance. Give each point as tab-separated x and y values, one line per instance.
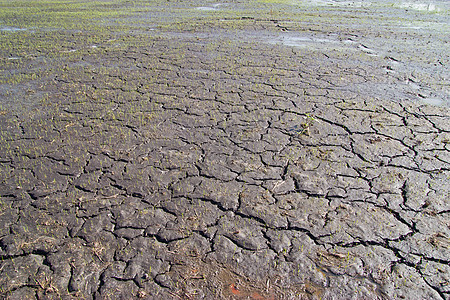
235	152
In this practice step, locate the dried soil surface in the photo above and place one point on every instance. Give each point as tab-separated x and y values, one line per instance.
228	151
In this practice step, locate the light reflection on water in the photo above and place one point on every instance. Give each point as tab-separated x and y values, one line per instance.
11	29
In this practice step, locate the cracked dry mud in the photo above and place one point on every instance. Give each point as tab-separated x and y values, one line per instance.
202	166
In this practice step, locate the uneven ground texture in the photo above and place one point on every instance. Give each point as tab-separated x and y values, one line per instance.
182	150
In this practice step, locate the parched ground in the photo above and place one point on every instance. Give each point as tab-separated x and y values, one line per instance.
182	150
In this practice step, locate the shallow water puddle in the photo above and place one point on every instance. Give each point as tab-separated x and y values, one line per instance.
213	7
324	43
419	6
11	29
